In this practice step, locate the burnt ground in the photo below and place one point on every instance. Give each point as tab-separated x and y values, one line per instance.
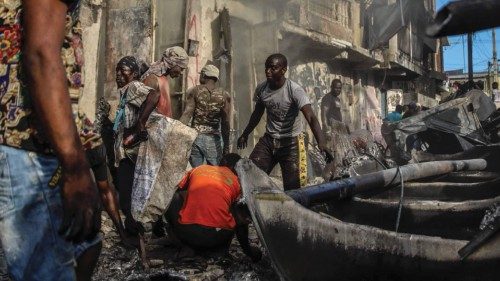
119	263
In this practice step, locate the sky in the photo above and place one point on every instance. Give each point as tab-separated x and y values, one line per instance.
455	55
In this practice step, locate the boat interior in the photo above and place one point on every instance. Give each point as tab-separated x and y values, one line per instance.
450	206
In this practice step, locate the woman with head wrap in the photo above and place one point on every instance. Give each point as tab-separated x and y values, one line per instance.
173	61
137	101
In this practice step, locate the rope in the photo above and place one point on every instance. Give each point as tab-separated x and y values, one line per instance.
401	198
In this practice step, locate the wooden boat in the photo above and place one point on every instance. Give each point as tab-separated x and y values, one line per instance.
457	220
455	187
304	244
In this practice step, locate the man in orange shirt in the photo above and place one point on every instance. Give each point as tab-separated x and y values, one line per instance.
204	213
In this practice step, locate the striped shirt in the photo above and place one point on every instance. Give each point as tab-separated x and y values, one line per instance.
132	96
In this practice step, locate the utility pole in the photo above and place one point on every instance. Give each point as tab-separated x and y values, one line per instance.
469	58
495	60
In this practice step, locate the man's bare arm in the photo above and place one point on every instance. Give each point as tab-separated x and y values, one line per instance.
146	108
44	28
225	123
189	109
254	121
316	129
110	202
151	101
242	218
152	82
324	110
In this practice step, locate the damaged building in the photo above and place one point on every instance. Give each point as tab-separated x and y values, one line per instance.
377	49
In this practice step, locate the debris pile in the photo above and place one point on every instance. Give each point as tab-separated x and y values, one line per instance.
491	215
118	262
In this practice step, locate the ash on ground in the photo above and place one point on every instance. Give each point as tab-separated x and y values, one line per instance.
120	263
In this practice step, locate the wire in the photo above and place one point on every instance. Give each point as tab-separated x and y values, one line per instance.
376	160
401	198
479	46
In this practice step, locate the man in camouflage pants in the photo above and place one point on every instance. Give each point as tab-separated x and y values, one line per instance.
207	110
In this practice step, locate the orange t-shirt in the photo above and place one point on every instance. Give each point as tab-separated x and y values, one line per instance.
211	192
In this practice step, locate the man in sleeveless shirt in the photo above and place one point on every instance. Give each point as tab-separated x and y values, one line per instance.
173	61
208	109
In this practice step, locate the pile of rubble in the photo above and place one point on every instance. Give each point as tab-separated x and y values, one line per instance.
118	262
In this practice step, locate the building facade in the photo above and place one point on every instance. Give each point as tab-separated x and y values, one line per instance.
322	39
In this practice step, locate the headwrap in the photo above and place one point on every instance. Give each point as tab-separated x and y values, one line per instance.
170	58
130	62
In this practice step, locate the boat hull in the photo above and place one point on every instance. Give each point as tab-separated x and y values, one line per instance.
306	245
458	187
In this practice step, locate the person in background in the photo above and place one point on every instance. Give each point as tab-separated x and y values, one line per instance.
41	153
137	101
207	109
172	63
495	93
412	110
87	253
283	142
455	87
419	107
331	106
396	115
204	214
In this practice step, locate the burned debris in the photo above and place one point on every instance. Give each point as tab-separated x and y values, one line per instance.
367	165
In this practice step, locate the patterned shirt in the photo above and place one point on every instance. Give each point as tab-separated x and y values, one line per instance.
132	96
19	126
209	106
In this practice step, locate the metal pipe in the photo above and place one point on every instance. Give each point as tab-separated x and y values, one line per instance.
379	181
470	62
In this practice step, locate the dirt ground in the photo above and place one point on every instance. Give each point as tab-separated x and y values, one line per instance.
119	263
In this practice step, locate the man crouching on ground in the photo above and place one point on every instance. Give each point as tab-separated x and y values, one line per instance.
204	214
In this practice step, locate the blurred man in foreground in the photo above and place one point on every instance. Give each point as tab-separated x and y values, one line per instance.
38	134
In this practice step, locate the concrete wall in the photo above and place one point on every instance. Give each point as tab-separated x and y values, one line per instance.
201	15
201	21
93	23
129	31
360	99
115	28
